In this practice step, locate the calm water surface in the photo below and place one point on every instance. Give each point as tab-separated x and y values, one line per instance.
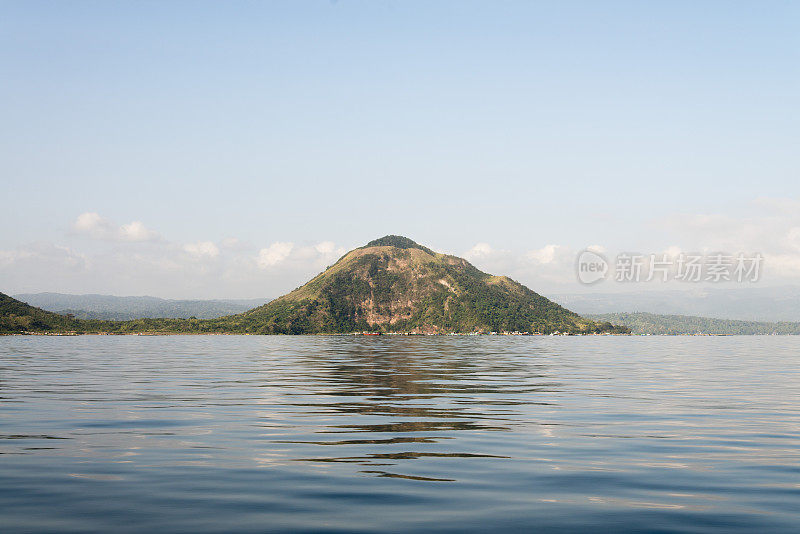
335	434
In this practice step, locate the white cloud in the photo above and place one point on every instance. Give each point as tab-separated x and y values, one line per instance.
8	257
136	231
43	252
299	257
673	251
782	265
480	250
549	264
97	227
544	255
92	224
229	267
202	249
195	269
89	221
35	266
326	247
769	226
274	254
552	264
328	252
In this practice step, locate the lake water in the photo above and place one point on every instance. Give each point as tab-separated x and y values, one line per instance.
444	434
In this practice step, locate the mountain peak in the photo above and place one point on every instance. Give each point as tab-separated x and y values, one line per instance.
397	241
393	284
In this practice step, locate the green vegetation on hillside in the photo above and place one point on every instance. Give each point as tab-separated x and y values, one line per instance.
16	316
394	284
649	323
397	241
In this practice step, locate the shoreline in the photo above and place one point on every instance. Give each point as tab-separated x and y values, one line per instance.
361	334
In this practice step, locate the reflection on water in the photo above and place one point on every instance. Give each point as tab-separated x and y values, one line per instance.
219	434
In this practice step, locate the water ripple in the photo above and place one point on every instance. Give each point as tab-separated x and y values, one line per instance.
254	434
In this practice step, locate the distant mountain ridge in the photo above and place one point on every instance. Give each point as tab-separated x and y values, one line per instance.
654	324
113	308
774	304
752	304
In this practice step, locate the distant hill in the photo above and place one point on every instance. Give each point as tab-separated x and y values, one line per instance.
745	304
16	316
649	323
390	285
395	284
112	308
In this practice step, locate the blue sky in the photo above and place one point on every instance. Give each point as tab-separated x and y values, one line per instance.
517	125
